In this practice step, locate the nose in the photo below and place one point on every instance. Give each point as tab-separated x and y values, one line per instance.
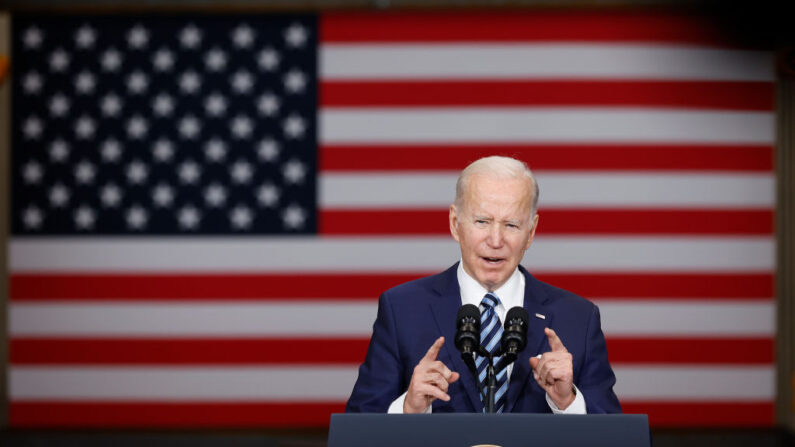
495	237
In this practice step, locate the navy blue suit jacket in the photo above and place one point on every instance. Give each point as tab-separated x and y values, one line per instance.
413	315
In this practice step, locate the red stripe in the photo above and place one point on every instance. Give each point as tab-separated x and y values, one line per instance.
347	351
329	351
550	157
742	351
287	414
171	415
712	95
25	287
488	26
704	414
559	221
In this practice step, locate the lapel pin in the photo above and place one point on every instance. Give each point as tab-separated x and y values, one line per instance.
541	316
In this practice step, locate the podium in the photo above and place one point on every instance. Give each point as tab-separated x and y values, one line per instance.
505	430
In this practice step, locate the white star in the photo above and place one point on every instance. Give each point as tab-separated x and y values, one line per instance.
85	37
32	127
241	127
189	172
59	150
59	195
163	104
111	60
296	35
294	217
163	150
32	37
243	36
111	105
268	195
215	195
189	82
137	172
137	217
268	150
294	81
137	127
110	195
111	150
85	172
85	82
32	217
215	59
163	195
241	171
294	172
241	217
137	82
32	82
189	127
242	82
190	36
189	217
32	172
268	104
138	37
215	104
85	127
294	126
163	60
59	105
84	218
215	150
59	60
268	59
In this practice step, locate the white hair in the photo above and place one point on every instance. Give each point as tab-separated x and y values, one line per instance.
502	167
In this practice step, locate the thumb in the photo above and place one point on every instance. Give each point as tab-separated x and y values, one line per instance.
534	362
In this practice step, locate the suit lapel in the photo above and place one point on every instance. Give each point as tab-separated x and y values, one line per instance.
534	298
444	309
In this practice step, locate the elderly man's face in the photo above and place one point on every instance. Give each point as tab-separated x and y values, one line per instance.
493	227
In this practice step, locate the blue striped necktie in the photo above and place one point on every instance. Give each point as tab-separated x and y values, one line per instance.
490	336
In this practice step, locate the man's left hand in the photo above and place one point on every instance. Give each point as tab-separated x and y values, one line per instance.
554	371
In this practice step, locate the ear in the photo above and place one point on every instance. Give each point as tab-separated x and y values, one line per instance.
532	232
454	222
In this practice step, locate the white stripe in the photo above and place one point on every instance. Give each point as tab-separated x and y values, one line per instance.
307	318
182	384
542	61
718	383
442	125
398	254
186	384
687	318
558	190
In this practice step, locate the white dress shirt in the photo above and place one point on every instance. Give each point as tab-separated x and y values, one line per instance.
511	294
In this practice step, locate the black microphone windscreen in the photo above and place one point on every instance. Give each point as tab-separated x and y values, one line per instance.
516	312
469	310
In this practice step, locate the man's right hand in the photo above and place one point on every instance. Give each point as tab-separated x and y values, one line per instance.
430	381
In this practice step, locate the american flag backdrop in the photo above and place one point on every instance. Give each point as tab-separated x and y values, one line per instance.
205	209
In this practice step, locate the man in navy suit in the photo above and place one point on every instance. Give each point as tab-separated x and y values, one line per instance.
410	369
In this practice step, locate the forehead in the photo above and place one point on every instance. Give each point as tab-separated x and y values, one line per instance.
485	192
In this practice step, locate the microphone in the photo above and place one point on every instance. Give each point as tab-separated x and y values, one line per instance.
514	336
467	336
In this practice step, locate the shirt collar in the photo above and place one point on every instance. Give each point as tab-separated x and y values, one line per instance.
511	293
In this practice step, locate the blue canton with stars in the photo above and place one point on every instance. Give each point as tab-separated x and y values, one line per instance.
171	125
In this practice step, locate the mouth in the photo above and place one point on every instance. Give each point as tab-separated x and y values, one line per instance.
492	261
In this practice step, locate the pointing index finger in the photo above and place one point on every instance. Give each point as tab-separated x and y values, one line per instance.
433	351
554	341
